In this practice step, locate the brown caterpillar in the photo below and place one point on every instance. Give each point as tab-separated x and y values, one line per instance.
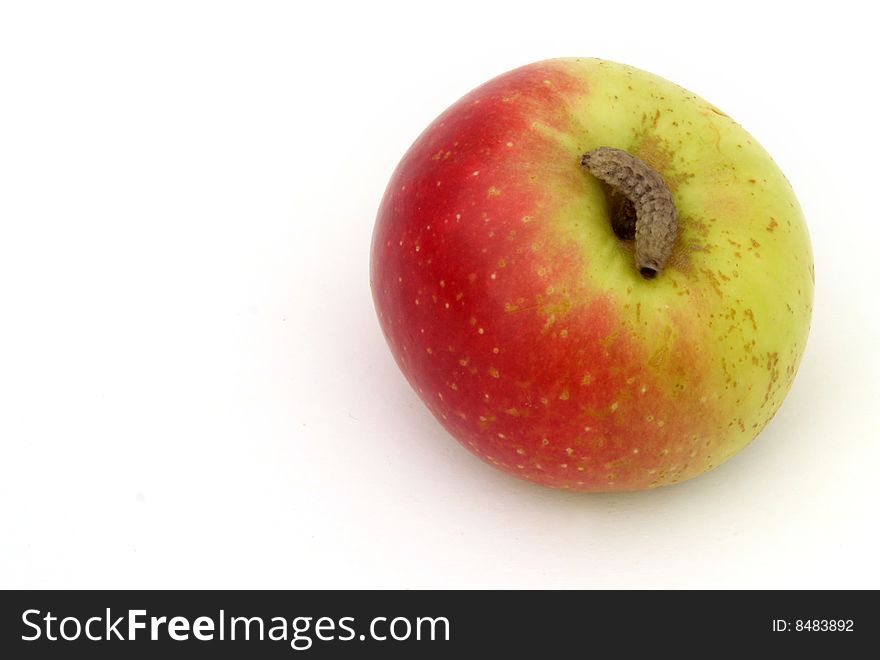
645	197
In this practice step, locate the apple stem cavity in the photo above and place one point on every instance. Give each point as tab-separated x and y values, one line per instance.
640	203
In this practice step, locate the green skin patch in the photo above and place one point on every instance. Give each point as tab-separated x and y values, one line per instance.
741	271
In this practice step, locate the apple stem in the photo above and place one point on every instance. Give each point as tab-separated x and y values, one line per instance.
641	205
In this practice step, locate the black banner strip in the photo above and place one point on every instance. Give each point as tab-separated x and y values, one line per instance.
428	624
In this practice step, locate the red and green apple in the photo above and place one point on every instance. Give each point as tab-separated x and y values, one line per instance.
521	318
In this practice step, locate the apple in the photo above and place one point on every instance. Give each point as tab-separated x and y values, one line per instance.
518	310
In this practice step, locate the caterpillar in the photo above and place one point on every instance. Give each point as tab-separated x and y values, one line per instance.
641	205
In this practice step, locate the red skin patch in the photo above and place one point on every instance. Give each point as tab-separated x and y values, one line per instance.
490	319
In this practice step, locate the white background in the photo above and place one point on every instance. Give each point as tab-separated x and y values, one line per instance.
194	391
